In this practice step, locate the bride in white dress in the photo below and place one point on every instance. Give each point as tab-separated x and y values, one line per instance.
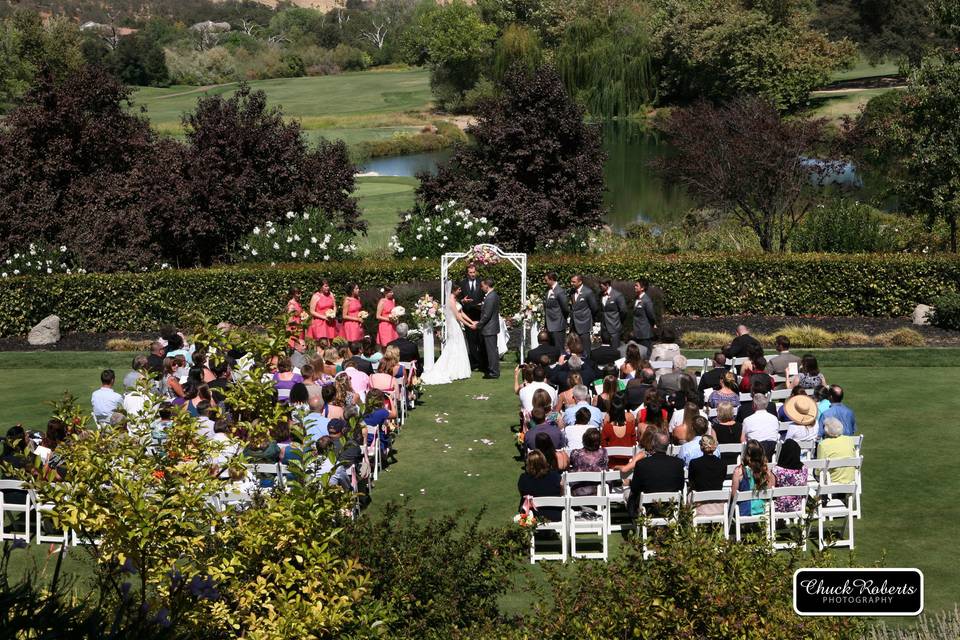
454	362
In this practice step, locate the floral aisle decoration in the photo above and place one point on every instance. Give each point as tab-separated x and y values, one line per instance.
431	232
526	520
300	237
530	313
427	312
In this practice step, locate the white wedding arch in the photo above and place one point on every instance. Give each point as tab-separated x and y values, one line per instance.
518	260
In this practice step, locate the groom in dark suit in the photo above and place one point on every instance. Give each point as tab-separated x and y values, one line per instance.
489	327
471	297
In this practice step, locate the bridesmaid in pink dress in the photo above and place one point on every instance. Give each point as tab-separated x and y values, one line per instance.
352	323
386	325
295	313
323	301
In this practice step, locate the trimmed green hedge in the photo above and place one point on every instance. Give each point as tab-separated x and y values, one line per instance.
706	285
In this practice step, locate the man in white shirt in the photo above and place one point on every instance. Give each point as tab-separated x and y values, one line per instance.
762	426
105	400
539	382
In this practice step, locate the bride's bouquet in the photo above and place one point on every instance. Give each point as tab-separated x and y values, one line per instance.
531	311
427	312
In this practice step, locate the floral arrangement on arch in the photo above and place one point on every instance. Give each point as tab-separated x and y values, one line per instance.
530	312
484	255
430	232
427	312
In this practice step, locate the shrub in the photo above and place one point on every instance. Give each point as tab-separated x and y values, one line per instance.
37	260
793	284
807	336
705	339
854	338
900	338
350	58
946	312
310	236
939	626
429	233
214	66
841	226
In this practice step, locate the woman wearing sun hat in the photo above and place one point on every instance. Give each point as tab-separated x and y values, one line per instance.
801	411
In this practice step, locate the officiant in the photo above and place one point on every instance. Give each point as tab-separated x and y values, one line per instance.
471	299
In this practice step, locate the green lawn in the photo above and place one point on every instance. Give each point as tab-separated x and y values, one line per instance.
352	106
382	199
903	399
864	69
833	105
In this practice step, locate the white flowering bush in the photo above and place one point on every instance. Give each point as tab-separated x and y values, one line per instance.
429	233
38	260
301	237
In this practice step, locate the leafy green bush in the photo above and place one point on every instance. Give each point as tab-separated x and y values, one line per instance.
793	284
946	312
841	226
310	236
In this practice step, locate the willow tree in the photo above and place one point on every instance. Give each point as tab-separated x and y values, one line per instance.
517	47
605	61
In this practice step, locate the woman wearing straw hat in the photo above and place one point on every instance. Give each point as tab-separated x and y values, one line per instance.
801	410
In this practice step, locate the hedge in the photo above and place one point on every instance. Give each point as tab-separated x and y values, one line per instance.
692	284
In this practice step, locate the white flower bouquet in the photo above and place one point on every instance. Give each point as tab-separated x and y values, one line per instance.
531	311
398	312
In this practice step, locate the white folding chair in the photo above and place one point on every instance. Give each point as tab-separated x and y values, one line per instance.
377	462
15	509
762	518
846	463
746	397
797	517
661	364
808	448
588	515
614	488
815	469
234	499
728	481
722	497
858	445
780	394
559	527
41	509
651	521
613	452
838	500
776	452
736	362
265	471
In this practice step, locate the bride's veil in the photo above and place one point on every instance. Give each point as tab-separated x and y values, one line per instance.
447	313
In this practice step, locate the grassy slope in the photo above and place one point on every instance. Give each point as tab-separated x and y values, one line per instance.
353	106
902	406
382	199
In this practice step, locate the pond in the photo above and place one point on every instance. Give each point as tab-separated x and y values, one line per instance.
635	193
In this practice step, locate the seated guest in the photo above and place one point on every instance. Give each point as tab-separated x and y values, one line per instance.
727	430
565	398
840	411
284	379
14	457
711	379
539	424
777	365
221	369
658	473
538	380
752	475
155	359
604	354
762	426
707	473
591	457
315	423
359	381
261	450
331	363
539	480
822	394
370	353
556	458
575	363
105	400
671	381
138	371
53	467
790	472
809	375
801	411
541	400
835	445
742	343
574	432
632	362
728	392
580	397
383	379
691	449
667	348
619	429
310	380
543	348
753	373
299	397
356	357
637	388
654	410
607	391
409	351
376	415
746	409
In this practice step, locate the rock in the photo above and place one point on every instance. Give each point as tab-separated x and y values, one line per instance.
920	315
46	332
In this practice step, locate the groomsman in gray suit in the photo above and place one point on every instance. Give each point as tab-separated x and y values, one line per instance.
584	309
489	327
644	320
555	311
613	313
